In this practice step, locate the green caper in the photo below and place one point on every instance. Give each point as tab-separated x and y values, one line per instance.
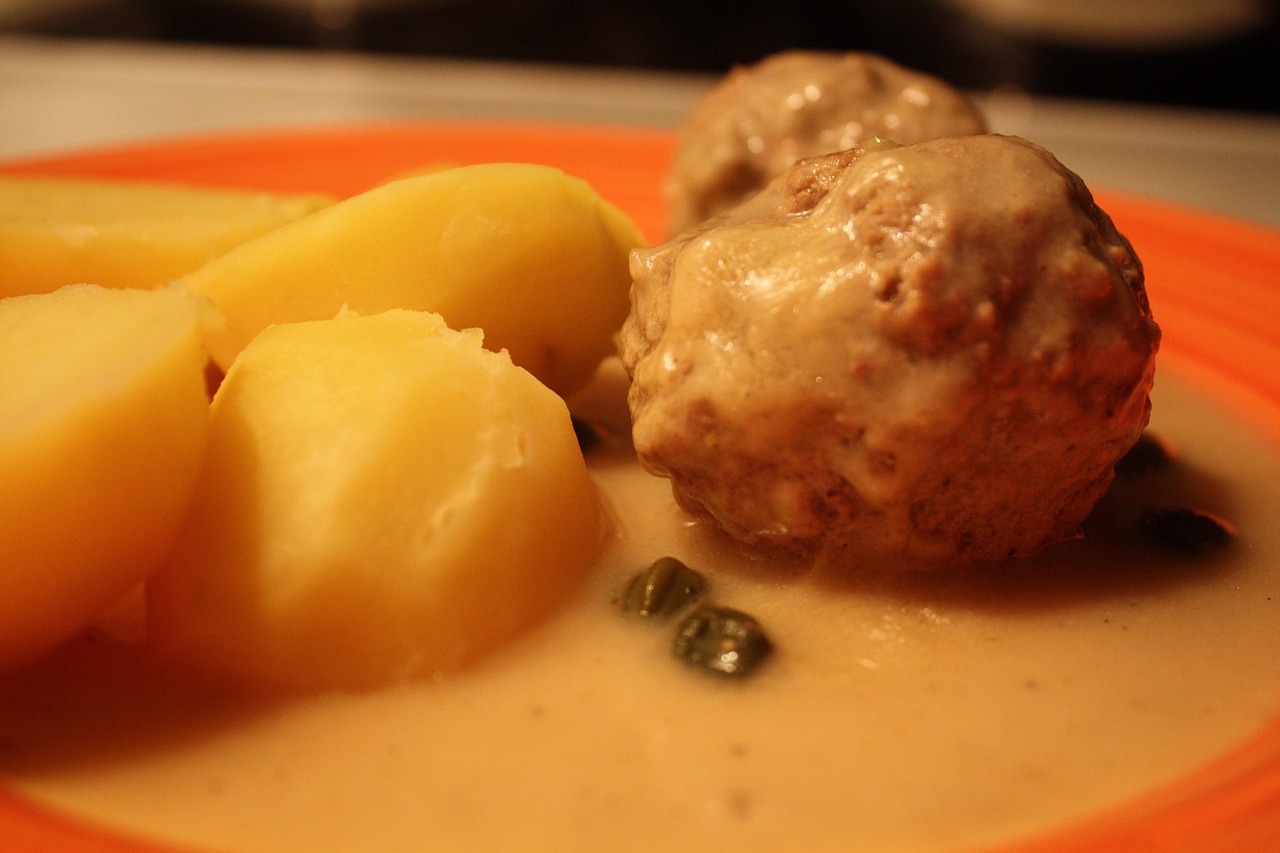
722	641
1183	531
662	589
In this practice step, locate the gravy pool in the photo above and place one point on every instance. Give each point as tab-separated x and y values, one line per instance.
905	713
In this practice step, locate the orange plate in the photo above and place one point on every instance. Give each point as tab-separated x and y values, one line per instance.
1214	282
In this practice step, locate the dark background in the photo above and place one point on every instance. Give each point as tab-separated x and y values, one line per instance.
1235	70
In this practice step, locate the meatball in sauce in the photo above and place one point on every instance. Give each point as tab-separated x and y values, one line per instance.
760	119
924	354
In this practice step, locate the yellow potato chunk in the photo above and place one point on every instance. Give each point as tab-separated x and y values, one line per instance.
530	255
382	498
59	231
103	418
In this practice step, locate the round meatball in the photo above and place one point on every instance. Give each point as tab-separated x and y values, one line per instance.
760	119
929	353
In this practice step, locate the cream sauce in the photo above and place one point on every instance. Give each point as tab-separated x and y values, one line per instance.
907	713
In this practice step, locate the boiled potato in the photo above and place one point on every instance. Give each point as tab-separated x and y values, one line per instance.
59	231
103	418
382	498
528	254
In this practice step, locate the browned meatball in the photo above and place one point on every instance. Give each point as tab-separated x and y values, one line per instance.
760	119
928	353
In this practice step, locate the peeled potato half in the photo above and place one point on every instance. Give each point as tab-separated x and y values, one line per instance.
103	419
136	234
532	256
382	498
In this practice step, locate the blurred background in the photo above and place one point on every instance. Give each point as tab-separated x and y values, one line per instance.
1200	53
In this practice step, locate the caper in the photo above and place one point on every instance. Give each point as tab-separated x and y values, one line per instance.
662	589
722	641
1183	531
1149	453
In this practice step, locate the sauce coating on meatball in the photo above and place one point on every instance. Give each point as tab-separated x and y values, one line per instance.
928	353
760	119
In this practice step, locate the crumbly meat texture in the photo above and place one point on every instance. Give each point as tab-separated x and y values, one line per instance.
760	119
928	354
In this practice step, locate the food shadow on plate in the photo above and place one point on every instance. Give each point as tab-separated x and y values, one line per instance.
100	699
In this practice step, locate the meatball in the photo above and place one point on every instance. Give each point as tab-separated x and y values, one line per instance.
927	354
760	119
